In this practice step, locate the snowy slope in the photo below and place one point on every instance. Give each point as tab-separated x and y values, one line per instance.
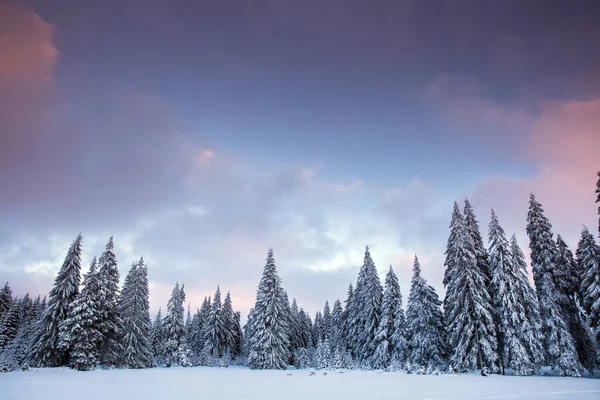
240	383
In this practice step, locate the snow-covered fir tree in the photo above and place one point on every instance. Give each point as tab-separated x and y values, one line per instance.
326	325
588	259
134	309
5	299
450	252
158	338
317	334
468	307
390	339
228	315
305	329
425	323
366	311
295	328
176	349
567	282
238	336
45	350
337	327
559	347
480	250
531	328
323	359
508	306
80	331
18	348
269	337
110	324
9	325
215	335
347	320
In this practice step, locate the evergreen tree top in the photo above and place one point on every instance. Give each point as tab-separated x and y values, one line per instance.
416	267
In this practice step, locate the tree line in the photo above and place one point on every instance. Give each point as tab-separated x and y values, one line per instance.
492	318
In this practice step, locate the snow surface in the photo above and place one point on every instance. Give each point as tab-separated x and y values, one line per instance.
241	383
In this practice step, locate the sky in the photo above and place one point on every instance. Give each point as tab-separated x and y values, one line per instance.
201	133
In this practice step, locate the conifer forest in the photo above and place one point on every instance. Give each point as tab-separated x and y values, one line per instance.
493	318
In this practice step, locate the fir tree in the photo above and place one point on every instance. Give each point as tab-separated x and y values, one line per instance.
451	244
66	287
390	337
425	322
158	338
9	326
238	336
531	328
5	299
567	283
176	350
214	332
588	259
229	330
323	355
468	307
368	298
558	343
134	308
80	330
110	324
268	338
337	326
18	348
347	318
480	250
326	325
508	306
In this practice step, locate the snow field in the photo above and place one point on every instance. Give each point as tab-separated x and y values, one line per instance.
240	383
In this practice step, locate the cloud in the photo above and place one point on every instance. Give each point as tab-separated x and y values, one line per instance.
27	48
560	147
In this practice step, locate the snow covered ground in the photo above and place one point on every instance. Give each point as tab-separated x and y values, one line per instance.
240	383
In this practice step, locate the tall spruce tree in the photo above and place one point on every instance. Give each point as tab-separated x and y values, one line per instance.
367	301
424	323
588	259
567	283
480	250
450	252
531	328
158	338
326	325
9	325
228	315
269	337
18	348
134	308
508	305
390	341
80	330
110	324
176	350
5	299
337	326
46	352
468	307
214	332
558	342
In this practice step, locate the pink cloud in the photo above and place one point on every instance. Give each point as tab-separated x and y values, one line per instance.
562	147
28	53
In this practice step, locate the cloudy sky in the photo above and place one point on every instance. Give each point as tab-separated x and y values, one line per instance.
201	133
